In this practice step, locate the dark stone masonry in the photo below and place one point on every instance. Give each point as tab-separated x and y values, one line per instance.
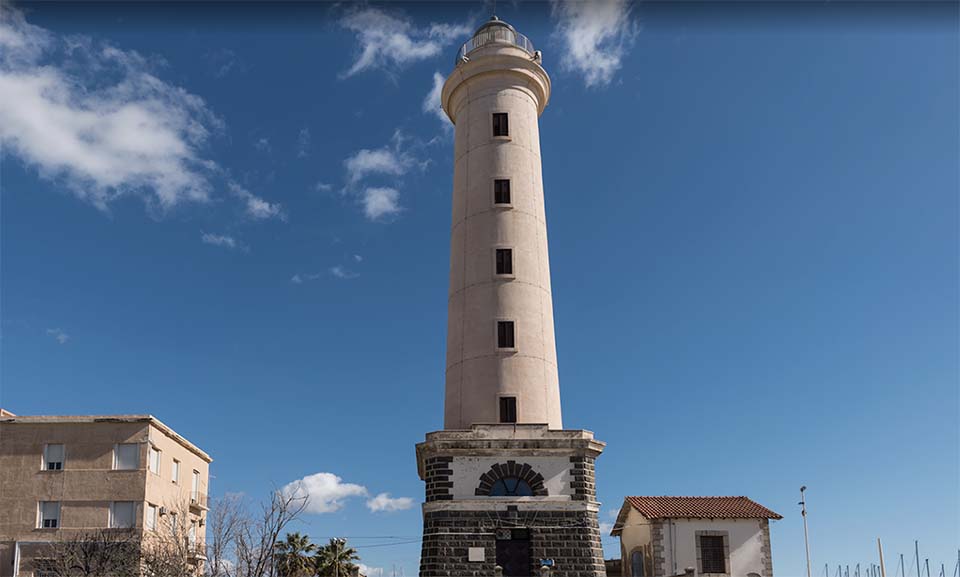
570	538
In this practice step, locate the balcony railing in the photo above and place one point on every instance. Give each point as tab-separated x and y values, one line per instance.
198	500
495	34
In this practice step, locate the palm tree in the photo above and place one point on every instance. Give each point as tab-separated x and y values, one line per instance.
335	559
293	556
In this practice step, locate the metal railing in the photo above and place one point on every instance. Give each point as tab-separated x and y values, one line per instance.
198	499
495	34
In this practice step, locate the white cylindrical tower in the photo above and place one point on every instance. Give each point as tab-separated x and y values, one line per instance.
501	349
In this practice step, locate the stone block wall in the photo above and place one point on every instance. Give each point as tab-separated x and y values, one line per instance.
570	538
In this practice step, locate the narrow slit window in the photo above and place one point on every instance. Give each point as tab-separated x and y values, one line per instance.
53	458
508	409
505	335
500	127
154	460
501	191
504	261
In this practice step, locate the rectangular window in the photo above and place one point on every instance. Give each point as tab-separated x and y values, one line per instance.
126	456
174	526
49	515
508	409
154	460
504	261
176	471
500	127
712	554
122	514
505	334
192	534
501	191
152	517
53	458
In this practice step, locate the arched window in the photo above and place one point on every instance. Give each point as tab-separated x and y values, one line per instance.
636	564
511	479
511	487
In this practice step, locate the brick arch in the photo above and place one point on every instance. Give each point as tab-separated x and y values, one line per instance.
507	470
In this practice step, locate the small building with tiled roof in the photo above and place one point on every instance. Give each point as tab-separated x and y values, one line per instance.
698	536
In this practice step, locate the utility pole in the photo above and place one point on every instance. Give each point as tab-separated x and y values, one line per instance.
806	535
883	569
916	547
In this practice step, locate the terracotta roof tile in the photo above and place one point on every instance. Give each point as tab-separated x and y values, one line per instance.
700	508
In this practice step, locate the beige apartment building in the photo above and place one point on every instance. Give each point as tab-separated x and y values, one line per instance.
63	477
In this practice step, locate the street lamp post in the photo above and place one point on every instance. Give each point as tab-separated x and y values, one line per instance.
806	536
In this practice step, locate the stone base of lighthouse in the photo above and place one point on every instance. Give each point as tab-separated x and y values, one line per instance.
514	495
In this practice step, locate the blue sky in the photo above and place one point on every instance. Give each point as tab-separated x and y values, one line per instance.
235	217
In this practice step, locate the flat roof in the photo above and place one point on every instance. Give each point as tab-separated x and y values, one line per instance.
7	417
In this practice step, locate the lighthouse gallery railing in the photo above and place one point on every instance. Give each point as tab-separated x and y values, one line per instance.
491	35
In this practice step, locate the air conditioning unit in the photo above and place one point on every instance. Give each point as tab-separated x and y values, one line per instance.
163	510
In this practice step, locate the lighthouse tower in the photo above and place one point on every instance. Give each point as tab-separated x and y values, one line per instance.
507	488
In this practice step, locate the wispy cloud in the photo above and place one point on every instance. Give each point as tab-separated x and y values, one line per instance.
223	240
380	202
263	144
605	528
323	186
342	273
222	62
383	502
58	335
256	207
595	35
431	103
391	161
303	143
390	41
98	119
325	492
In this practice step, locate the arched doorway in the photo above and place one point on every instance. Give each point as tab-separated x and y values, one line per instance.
636	564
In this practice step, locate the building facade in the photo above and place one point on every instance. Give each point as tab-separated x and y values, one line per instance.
507	488
68	477
700	536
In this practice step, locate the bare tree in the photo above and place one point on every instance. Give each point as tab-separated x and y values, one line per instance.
242	541
94	554
172	549
223	523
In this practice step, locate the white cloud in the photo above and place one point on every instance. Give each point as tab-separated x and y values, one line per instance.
595	36
384	502
296	279
605	528
379	202
58	334
223	240
325	492
263	144
370	571
390	41
303	143
256	207
97	119
358	258
323	186
384	160
342	272
431	103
